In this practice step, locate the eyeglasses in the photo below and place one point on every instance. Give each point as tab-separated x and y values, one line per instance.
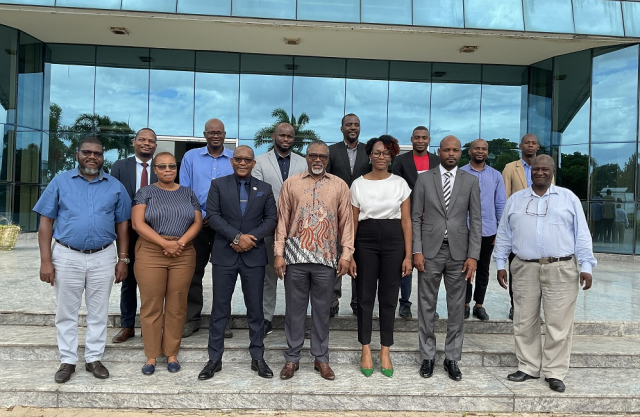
240	160
163	167
213	133
320	156
89	153
531	213
385	154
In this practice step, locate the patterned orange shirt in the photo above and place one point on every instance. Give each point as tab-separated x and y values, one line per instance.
313	215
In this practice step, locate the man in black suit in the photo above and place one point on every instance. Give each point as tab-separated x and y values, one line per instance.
408	166
242	211
348	161
134	173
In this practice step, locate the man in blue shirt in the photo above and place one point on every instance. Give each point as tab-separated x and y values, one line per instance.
493	197
545	227
90	209
200	166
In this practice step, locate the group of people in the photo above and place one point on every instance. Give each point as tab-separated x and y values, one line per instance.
609	218
352	208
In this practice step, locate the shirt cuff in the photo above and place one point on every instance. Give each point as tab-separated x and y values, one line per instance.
586	267
500	264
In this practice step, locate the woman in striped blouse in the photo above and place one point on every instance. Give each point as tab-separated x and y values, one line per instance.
167	217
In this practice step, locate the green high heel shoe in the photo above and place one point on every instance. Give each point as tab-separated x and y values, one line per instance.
386	372
366	371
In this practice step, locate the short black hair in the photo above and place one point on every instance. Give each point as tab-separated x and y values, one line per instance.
390	143
90	139
347	115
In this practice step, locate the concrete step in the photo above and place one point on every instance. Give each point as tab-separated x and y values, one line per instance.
28	343
482	389
348	322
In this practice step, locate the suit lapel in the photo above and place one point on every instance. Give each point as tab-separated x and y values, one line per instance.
411	166
521	174
345	157
132	173
361	158
274	162
253	191
437	182
154	177
232	188
457	185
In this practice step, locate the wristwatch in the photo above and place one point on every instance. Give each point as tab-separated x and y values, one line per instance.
125	260
236	239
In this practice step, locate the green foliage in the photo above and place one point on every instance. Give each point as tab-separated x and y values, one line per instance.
501	152
302	136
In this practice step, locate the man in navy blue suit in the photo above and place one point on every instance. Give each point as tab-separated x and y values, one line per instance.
242	211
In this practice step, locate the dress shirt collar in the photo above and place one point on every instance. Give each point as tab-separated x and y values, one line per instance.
226	153
453	172
525	163
140	161
326	175
551	190
278	156
476	170
246	180
349	148
79	174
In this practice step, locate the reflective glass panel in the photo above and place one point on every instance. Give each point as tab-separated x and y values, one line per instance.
205	7
25	197
443	13
31	2
573	168
122	96
265	95
367	96
319	92
171	93
71	75
8	66
614	95
539	115
329	10
90	4
275	9
30	82
27	162
409	98
396	12
631	14
5	201
548	16
7	151
167	6
490	14
217	81
598	17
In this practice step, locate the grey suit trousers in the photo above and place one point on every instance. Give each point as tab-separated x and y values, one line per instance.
270	282
428	286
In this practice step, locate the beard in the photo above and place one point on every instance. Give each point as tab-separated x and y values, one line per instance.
317	171
89	171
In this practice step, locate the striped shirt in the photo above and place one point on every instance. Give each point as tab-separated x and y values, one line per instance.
169	213
313	215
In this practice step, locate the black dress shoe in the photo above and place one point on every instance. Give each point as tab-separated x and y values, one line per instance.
404	311
426	370
228	334
262	368
190	328
555	384
480	313
268	328
467	311
520	376
64	373
97	369
334	311
511	313
452	369
210	369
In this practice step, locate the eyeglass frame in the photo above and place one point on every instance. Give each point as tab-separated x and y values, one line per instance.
536	214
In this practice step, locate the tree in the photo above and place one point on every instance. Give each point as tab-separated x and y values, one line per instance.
302	136
501	152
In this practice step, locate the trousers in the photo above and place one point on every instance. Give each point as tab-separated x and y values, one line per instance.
482	273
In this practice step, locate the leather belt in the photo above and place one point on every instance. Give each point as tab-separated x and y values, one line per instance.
85	251
549	260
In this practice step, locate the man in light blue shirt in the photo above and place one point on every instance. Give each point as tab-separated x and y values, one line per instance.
199	167
545	227
493	197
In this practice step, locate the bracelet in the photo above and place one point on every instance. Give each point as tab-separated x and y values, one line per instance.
407	259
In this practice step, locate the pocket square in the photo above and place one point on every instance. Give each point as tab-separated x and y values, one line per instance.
259	194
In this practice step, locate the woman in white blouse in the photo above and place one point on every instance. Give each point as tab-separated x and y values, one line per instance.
382	226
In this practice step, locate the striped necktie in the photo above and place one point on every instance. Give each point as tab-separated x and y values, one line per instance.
446	190
244	197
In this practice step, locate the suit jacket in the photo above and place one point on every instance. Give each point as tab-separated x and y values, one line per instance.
124	171
267	169
429	219
405	167
339	163
224	216
514	177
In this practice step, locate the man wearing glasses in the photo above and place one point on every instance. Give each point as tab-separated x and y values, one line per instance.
242	211
545	227
200	166
134	173
314	214
91	209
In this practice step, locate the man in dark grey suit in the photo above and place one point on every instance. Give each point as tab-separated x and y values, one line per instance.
443	198
347	161
274	167
408	166
242	211
134	173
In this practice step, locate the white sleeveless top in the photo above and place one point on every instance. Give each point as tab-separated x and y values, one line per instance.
379	199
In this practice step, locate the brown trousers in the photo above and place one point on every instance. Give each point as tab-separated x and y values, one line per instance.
164	285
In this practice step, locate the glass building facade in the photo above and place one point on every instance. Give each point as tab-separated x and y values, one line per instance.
583	106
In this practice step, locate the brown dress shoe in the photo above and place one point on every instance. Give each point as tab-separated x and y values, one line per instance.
64	373
289	369
123	335
325	370
97	369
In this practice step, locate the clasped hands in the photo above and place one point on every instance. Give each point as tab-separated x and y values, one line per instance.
173	248
245	243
